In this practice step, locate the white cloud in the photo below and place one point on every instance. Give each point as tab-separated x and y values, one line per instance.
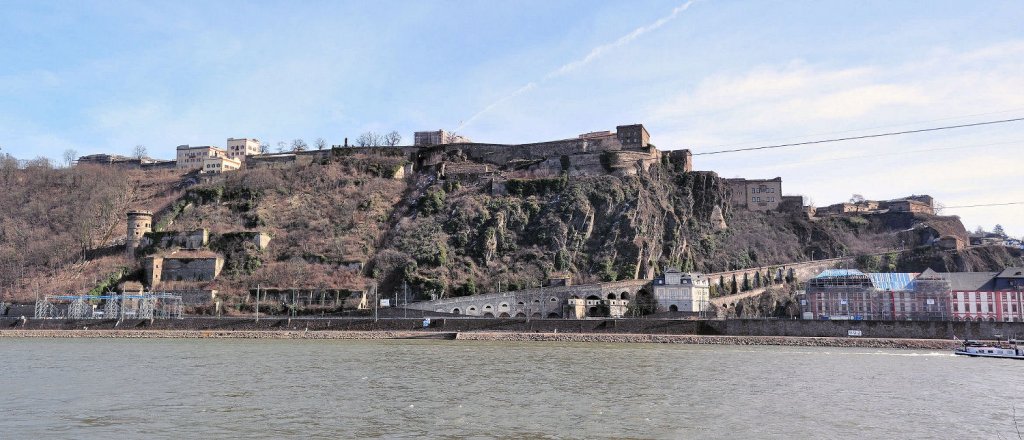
798	101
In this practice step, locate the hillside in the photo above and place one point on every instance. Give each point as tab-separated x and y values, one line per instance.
347	218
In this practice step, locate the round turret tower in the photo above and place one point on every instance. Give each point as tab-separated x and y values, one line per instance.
139	223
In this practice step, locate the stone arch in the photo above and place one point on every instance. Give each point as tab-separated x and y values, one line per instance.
593	311
594	297
553	299
521	303
673	308
488	315
471	310
611	295
624	295
504	315
536	315
554	315
456	311
488	308
536	301
503	306
520	315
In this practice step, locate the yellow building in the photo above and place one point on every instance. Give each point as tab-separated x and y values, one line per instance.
216	165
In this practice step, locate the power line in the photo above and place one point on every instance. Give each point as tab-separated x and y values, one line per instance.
896	153
867	136
868	128
984	204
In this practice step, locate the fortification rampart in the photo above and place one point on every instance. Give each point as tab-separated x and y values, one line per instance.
547	302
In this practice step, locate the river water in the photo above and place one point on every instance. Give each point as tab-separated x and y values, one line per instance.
157	388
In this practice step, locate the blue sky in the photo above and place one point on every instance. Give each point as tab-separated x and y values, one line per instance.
106	76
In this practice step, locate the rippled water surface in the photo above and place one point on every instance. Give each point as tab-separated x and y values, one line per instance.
104	388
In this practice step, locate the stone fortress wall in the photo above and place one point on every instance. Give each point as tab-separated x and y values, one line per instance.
547	302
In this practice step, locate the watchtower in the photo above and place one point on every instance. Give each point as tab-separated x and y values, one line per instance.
139	223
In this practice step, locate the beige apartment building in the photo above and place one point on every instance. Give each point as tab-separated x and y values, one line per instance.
240	148
194	158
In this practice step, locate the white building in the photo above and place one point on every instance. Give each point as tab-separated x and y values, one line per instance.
676	291
240	148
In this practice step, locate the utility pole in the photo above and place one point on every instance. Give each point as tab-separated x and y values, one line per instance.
376	302
257	303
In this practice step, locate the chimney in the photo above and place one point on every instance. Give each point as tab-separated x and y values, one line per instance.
346	142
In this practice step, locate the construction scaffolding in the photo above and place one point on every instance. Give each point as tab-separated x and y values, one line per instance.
115	306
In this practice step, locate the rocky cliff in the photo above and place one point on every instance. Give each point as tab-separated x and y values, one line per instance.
344	220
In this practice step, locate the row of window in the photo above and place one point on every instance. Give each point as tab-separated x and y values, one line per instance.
766	199
763	189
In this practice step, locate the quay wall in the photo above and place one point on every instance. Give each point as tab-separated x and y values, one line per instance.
731	327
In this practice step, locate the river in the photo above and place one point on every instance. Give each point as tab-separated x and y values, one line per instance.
156	388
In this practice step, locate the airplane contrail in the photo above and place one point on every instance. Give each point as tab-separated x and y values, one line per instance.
591	56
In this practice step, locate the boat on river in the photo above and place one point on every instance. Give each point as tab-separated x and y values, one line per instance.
1008	350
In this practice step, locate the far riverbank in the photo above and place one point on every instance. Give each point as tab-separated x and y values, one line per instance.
898	343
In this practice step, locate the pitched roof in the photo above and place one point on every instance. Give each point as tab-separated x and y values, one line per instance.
1012	272
969	281
892	281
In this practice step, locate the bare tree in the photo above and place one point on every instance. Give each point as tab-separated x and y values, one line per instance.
392	139
856	198
299	145
139	152
264	147
368	139
939	208
320	143
281	146
69	157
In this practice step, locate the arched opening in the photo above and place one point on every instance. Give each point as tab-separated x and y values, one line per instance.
488	308
553	299
624	295
520	315
673	308
554	315
592	311
503	306
594	297
536	315
522	303
536	301
488	315
503	315
611	296
471	310
456	311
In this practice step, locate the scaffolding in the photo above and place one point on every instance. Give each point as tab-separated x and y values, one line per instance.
116	306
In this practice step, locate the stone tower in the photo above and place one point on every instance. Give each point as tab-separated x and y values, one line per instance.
139	223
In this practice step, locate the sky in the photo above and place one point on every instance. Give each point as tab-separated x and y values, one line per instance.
103	77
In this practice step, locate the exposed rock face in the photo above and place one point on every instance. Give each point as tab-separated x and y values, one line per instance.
718	219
